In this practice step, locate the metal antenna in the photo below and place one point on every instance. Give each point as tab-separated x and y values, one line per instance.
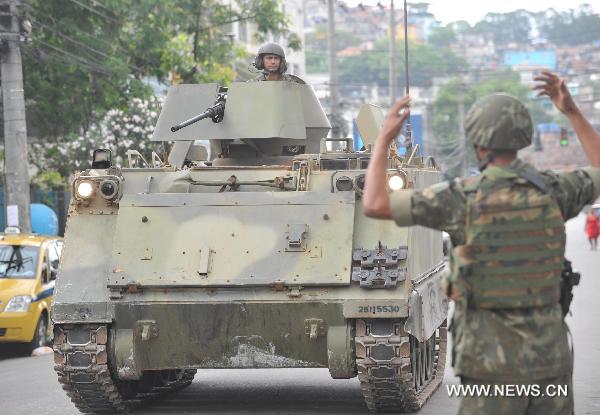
408	130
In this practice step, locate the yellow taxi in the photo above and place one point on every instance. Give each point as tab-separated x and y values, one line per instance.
28	267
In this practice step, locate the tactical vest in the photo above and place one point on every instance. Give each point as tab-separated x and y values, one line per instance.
515	243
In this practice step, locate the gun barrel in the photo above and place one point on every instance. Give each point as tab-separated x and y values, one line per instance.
205	114
215	112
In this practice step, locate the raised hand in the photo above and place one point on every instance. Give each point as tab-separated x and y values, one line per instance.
394	120
554	87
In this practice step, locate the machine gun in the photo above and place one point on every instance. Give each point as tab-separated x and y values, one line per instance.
216	112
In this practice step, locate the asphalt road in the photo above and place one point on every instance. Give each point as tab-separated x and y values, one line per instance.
28	385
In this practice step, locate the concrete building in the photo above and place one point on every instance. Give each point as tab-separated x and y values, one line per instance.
478	50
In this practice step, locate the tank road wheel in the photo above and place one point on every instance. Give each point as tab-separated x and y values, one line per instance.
81	357
397	373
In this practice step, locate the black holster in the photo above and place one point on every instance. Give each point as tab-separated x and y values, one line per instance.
568	280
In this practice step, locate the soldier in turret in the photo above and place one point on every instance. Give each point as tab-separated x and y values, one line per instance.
507	230
270	59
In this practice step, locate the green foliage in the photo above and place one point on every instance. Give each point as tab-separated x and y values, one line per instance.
460	26
442	37
449	148
87	71
426	62
573	27
119	131
90	57
317	47
49	180
316	62
513	27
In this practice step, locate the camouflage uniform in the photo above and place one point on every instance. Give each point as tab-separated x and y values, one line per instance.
283	77
273	49
520	341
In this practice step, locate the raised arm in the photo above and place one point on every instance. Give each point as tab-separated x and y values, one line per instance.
555	88
376	200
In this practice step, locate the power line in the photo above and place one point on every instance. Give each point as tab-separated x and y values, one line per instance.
77	59
85	46
94	38
92	10
97	2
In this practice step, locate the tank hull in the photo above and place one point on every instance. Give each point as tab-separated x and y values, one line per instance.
213	268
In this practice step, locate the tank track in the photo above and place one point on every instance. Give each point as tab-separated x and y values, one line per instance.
81	362
393	375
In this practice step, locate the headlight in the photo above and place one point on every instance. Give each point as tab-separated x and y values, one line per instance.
109	189
398	181
18	303
84	189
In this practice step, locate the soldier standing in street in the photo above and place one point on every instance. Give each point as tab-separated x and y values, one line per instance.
270	59
507	230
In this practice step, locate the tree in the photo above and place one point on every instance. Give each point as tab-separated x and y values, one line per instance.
371	67
573	27
442	37
448	147
119	130
90	57
316	47
512	27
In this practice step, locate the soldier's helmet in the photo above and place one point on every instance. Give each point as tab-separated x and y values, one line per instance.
270	49
499	122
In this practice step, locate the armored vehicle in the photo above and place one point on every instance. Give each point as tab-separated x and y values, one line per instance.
257	256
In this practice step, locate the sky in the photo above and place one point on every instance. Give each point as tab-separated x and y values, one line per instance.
474	10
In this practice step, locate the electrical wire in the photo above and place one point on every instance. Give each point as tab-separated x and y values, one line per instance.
85	46
94	11
95	67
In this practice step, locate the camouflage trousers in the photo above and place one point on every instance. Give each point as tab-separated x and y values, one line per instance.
541	397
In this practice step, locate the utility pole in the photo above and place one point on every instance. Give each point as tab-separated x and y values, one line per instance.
461	126
16	175
408	126
392	54
333	80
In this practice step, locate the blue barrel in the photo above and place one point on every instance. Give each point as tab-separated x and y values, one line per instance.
43	220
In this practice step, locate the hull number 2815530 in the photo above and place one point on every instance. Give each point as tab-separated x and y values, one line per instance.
378	309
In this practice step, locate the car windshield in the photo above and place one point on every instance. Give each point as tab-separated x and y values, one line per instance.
18	261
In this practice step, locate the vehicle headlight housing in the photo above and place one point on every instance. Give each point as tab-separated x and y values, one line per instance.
109	188
398	181
84	189
18	303
344	184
